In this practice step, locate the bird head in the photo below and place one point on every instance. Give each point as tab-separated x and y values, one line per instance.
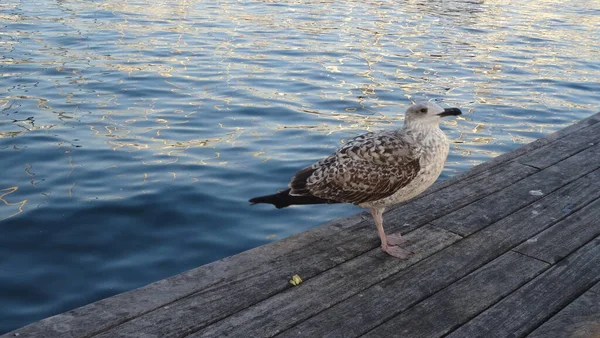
428	113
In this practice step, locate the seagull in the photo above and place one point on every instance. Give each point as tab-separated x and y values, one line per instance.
376	170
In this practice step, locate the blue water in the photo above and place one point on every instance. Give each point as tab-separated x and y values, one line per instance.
132	133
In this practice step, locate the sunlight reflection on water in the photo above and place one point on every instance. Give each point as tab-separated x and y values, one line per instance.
132	133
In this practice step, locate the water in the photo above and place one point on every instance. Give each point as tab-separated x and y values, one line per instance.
132	133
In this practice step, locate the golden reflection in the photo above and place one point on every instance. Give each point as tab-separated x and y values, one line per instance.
32	175
21	204
116	145
483	140
160	162
4	134
189	144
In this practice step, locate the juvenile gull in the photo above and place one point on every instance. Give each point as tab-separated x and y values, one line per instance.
376	170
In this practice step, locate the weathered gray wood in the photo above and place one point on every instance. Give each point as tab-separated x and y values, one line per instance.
580	319
453	306
193	313
531	305
328	288
562	148
400	291
556	242
473	217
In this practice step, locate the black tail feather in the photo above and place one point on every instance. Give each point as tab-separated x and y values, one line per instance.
284	199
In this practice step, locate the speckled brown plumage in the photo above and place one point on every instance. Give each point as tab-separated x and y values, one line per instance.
367	168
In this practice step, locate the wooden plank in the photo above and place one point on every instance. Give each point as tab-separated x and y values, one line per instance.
580	319
477	215
453	306
531	305
429	207
400	291
193	313
330	287
556	242
553	152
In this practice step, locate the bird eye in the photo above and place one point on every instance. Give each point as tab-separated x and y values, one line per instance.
423	110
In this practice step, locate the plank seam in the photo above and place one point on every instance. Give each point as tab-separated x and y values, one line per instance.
526	255
95	333
475	177
332	304
591	120
548	265
541	231
519	159
569	302
450	231
456	281
574	178
553	313
532	166
592	292
507	158
571	299
491	193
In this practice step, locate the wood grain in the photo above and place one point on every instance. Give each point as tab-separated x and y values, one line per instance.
477	215
562	148
330	287
556	242
454	305
535	302
580	319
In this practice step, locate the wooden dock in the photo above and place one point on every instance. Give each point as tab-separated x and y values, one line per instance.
510	248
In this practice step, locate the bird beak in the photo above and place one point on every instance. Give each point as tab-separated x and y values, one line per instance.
450	112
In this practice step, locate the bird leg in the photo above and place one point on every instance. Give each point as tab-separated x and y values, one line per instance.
396	239
392	250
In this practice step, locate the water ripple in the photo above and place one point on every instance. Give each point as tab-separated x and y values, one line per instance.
132	133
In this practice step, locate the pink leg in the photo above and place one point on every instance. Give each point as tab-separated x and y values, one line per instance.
392	250
396	239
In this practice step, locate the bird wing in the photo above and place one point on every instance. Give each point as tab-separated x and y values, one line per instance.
367	168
